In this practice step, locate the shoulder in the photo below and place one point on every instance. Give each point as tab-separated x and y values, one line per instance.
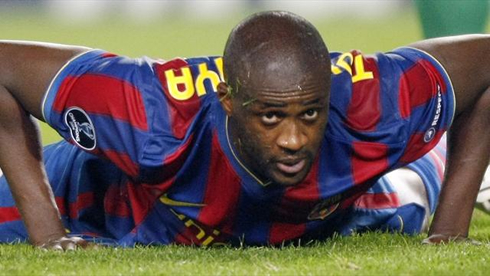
356	92
403	98
183	78
364	87
189	88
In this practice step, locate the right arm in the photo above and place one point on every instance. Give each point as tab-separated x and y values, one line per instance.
467	62
26	69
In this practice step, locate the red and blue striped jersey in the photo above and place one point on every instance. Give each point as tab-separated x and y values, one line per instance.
168	173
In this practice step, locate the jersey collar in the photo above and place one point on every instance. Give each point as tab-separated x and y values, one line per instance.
232	150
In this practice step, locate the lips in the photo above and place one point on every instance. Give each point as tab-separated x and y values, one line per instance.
291	167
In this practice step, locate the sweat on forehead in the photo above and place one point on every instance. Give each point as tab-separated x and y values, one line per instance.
274	45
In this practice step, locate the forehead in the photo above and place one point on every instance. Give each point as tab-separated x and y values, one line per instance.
296	85
282	71
285	76
302	95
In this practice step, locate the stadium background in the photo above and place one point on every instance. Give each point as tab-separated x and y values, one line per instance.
166	29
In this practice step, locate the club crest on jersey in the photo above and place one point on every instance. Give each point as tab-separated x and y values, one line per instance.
81	128
325	208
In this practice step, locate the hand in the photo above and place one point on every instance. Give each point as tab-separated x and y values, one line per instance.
443	239
66	244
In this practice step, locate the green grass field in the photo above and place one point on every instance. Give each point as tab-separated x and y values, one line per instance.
370	254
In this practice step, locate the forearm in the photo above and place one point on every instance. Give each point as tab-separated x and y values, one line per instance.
26	70
468	152
21	162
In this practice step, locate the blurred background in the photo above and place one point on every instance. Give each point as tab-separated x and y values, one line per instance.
166	29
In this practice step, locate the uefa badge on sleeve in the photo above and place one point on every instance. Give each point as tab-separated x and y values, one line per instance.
429	134
81	128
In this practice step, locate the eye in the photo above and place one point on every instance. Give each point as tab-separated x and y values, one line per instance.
270	118
310	115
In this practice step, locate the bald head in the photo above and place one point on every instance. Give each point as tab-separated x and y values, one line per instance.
277	70
274	48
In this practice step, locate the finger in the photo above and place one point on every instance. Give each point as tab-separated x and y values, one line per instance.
428	241
52	245
73	243
62	244
442	239
56	247
435	239
67	244
70	246
82	243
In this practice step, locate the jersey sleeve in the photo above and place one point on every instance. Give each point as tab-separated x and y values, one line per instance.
387	109
426	101
122	109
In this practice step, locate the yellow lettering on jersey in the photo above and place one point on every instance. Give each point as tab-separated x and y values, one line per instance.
219	64
202	234
179	216
210	238
361	73
170	202
186	80
343	62
206	74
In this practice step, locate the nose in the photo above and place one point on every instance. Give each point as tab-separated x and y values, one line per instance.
292	138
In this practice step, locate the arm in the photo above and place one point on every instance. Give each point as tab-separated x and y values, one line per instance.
467	61
26	70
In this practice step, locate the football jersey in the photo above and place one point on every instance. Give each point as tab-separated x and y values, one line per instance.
157	165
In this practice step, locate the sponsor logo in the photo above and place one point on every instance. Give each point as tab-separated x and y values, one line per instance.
81	128
198	233
170	202
431	132
325	208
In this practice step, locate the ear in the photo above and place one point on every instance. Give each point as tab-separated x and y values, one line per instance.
224	96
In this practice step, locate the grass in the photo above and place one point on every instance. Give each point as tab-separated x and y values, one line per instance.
369	254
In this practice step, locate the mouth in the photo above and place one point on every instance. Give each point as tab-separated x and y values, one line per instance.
291	167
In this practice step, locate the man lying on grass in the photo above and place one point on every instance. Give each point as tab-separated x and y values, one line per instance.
277	141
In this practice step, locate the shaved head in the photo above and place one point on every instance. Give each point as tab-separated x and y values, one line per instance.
278	45
276	95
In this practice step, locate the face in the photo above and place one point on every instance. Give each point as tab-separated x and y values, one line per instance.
277	128
278	68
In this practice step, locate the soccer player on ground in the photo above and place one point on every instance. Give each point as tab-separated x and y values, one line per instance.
290	147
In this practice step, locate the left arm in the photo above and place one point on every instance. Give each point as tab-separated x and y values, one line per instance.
26	69
467	61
